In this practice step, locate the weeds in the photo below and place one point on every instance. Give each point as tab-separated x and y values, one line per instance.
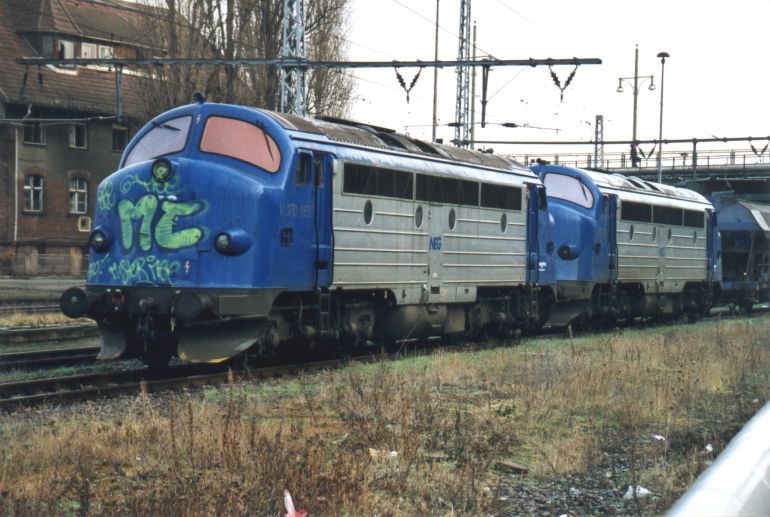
407	437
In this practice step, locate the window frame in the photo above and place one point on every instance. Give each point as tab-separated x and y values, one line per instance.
73	136
125	162
269	140
80	194
633	217
36	192
585	189
38	127
93	47
120	129
379	181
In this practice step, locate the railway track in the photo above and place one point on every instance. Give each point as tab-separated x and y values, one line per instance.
73	388
29	305
48	358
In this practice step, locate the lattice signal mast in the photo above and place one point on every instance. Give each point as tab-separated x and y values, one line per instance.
293	78
462	110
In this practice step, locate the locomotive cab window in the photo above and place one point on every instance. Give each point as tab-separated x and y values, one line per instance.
570	189
241	140
166	137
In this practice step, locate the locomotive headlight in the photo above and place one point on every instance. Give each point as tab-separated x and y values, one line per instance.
232	241
162	170
222	242
100	239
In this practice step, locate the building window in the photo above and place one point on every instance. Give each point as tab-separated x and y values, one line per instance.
66	51
33	193
88	50
105	52
78	196
79	136
34	133
119	138
47	46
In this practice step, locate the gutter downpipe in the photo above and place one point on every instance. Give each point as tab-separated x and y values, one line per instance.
738	482
16	187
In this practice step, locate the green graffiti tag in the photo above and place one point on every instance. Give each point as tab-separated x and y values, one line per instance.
150	186
95	268
164	231
144	210
105	196
149	270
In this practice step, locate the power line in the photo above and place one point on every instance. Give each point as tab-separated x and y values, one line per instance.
310	64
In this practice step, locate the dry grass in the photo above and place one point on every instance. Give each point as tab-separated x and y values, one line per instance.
33	319
556	406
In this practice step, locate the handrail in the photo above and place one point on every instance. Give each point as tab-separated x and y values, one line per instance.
738	482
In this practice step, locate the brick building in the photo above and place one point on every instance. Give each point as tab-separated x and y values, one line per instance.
59	136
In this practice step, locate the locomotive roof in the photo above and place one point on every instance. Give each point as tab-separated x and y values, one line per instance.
344	131
634	184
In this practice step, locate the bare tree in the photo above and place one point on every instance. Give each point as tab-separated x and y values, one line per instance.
241	29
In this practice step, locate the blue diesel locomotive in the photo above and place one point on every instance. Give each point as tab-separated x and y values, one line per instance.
628	248
230	230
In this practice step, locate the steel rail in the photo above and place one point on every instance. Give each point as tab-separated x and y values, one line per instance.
48	358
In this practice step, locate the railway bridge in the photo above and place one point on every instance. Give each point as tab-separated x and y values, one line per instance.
682	161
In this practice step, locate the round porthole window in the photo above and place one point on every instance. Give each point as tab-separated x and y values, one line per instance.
452	219
368	212
503	223
631	233
418	217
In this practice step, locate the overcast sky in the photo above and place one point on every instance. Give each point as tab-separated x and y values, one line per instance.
716	80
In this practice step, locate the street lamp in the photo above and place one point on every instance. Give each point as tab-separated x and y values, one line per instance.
662	56
636	85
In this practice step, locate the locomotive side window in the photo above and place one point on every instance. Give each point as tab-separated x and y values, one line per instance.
447	191
165	138
242	141
667	215
569	189
376	181
639	212
302	170
693	219
499	196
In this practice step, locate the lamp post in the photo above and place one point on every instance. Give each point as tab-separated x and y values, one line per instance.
636	78
662	56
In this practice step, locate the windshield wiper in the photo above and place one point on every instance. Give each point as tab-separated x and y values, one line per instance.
164	125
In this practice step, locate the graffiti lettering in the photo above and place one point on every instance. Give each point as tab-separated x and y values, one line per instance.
105	196
144	210
95	268
164	231
148	270
150	186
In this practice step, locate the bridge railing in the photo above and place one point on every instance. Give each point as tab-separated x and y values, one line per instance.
680	157
678	160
